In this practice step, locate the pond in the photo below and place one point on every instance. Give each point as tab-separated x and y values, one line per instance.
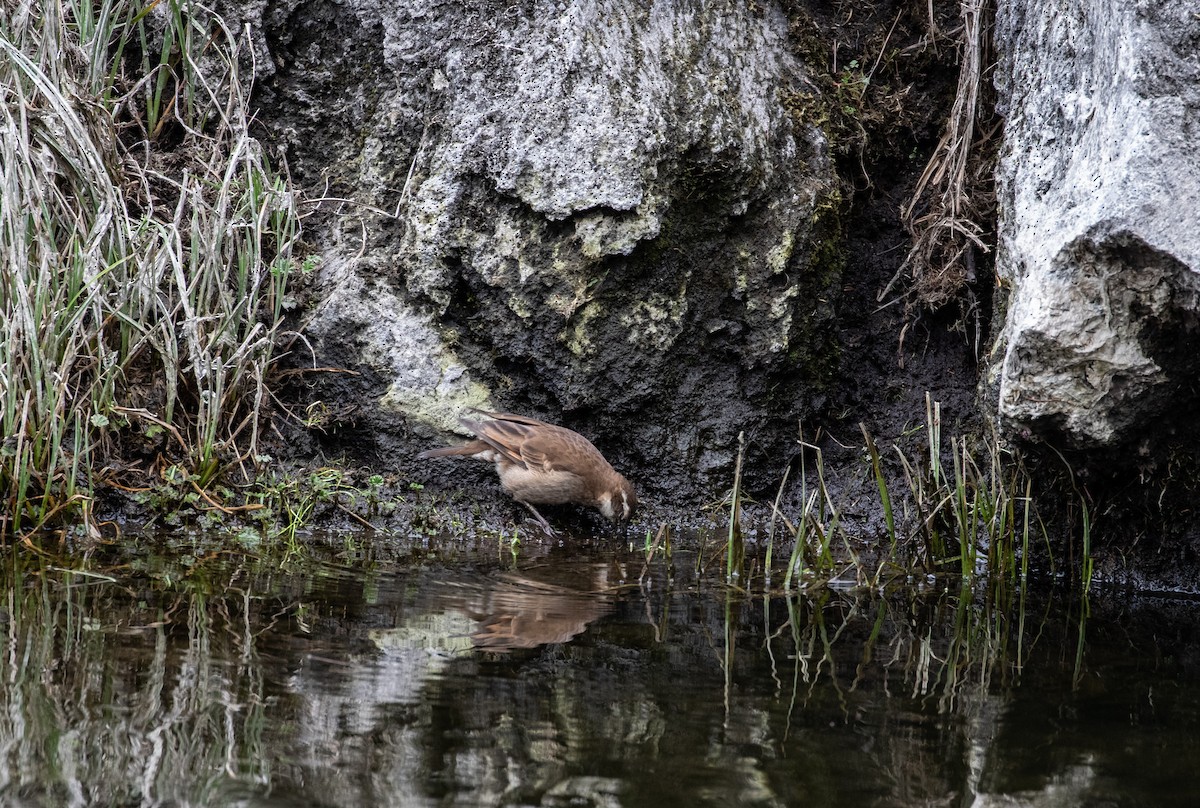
373	672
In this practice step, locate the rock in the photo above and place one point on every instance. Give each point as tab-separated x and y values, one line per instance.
604	215
361	322
1099	184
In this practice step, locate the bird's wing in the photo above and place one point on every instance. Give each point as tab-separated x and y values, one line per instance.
505	437
543	450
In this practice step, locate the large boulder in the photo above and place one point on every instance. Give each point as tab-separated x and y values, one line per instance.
1099	187
600	211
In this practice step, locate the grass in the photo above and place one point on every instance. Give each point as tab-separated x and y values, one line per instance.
885	499
975	511
151	241
735	541
965	509
814	529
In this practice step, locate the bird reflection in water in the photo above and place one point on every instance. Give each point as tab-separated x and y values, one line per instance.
531	608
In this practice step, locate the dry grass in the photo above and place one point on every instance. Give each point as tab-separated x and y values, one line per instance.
953	198
150	241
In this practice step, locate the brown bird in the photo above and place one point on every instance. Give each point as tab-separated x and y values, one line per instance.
543	464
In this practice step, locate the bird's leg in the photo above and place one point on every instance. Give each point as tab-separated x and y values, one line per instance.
541	520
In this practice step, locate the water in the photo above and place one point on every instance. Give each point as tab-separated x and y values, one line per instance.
373	674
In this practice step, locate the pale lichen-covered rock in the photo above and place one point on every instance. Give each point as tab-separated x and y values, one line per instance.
365	324
602	210
1099	188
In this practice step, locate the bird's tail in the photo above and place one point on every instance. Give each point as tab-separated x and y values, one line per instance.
467	449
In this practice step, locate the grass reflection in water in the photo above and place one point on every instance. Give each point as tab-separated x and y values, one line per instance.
422	676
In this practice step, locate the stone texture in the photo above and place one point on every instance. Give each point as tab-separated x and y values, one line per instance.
599	211
1099	185
365	323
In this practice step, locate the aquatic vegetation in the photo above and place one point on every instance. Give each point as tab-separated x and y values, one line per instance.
818	519
967	510
735	543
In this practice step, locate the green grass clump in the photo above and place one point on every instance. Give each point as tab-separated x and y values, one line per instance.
965	510
147	241
974	512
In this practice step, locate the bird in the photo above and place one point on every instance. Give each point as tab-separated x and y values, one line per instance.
544	464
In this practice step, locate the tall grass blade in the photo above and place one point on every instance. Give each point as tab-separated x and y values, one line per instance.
735	542
885	499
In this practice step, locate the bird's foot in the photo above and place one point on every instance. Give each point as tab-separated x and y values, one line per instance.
550	532
541	520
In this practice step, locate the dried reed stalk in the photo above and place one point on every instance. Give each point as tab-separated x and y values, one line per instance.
948	204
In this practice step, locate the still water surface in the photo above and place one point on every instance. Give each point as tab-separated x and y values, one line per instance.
373	674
